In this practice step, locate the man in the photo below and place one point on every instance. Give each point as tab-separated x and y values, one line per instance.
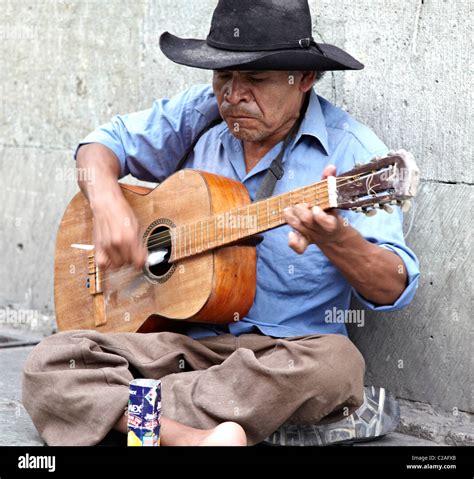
285	362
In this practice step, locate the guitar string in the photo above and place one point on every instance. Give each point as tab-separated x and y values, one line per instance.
261	217
318	186
116	274
316	189
319	197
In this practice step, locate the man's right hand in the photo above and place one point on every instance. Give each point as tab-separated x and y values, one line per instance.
117	235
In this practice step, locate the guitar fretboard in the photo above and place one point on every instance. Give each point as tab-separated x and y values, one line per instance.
240	223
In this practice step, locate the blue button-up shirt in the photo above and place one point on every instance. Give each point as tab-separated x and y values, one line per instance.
296	294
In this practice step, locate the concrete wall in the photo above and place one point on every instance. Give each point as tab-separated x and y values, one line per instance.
68	66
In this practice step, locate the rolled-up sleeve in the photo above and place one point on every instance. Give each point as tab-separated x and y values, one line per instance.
383	229
386	231
150	143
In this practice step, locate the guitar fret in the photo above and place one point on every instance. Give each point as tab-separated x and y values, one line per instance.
177	238
188	239
190	230
172	241
195	249
195	238
238	224
248	219
183	241
187	229
202	239
256	216
222	227
184	238
223	231
279	209
190	242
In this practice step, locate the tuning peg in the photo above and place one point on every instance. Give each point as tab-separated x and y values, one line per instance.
406	205
387	208
369	213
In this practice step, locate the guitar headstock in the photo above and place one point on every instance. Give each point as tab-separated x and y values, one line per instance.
392	179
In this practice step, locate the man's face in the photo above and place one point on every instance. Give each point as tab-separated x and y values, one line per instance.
257	104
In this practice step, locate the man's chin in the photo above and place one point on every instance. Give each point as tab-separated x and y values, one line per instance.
246	134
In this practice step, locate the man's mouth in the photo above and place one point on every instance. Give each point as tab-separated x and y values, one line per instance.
241	117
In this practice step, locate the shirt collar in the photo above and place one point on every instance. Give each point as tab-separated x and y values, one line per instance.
314	123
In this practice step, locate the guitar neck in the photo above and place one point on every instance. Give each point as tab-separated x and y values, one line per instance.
240	223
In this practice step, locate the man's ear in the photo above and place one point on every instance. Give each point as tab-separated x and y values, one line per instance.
308	79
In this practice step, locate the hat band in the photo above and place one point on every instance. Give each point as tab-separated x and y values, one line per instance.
303	43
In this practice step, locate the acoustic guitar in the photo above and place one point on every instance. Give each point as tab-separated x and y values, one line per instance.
201	232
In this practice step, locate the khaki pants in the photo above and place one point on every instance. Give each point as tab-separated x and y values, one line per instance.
75	383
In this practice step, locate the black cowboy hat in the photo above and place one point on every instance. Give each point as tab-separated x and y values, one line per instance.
258	35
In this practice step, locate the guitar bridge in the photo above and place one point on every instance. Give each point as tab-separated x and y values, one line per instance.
94	277
94	283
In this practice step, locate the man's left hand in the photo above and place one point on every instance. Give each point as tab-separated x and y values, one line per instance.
313	225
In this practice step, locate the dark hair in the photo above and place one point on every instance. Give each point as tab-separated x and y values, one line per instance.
319	75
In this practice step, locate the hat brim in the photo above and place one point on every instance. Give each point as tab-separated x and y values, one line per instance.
198	54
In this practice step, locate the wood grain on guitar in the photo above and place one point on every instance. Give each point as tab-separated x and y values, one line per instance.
201	231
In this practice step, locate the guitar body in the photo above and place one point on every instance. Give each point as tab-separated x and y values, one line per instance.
217	286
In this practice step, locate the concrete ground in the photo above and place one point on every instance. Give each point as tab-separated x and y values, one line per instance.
18	430
15	423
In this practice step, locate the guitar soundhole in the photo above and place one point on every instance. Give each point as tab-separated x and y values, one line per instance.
159	251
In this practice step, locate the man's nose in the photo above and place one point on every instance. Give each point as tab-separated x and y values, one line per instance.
237	91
